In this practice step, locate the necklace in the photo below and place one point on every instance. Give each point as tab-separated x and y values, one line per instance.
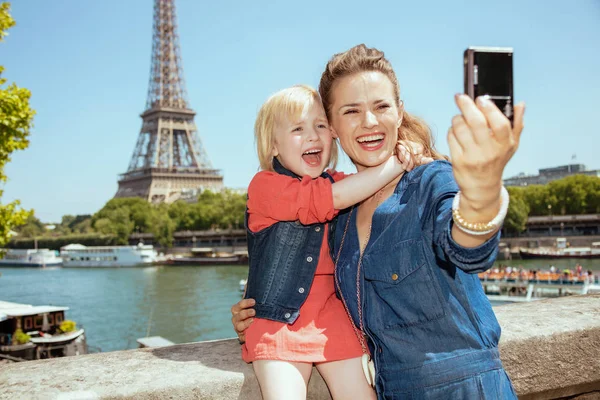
367	363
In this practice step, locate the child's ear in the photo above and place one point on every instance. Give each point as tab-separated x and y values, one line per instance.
274	151
334	133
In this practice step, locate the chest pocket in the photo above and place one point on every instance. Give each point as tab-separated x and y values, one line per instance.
400	289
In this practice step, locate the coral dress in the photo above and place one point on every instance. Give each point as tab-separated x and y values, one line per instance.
322	331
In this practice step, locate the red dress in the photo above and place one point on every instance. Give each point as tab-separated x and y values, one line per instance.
322	331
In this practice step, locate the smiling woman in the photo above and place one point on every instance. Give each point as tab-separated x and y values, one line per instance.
367	90
364	107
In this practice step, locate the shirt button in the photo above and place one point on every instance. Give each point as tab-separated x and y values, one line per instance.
318	229
301	290
309	259
287	315
394	277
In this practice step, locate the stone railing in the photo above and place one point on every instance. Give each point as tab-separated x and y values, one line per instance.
550	349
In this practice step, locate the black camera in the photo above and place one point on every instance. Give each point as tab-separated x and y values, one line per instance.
489	71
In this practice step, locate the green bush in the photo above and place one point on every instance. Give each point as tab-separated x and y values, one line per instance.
68	326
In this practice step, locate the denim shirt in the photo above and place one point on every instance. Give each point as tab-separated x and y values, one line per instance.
283	259
426	316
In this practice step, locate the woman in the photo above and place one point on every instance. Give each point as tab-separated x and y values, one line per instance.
407	258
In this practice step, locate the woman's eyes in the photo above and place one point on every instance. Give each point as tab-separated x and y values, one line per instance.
383	106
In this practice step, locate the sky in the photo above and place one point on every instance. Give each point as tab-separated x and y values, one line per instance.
87	65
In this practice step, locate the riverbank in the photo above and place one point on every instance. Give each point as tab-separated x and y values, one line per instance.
116	306
549	349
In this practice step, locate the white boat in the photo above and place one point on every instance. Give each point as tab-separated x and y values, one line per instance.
77	255
30	258
561	249
41	326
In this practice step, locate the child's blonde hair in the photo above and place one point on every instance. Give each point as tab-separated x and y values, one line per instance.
288	103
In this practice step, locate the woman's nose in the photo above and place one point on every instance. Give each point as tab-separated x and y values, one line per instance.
370	120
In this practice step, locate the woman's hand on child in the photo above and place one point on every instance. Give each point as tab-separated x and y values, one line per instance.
241	317
410	154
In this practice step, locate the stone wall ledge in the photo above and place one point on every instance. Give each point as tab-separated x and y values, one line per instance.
550	349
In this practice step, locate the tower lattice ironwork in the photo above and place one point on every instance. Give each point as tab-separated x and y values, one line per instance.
169	160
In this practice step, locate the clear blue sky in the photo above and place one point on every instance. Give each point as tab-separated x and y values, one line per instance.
87	65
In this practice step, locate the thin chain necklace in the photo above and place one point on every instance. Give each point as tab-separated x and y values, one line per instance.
370	375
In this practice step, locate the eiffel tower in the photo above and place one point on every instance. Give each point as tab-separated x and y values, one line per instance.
169	160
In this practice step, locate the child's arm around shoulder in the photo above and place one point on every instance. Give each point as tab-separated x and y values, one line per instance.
352	189
277	197
338	175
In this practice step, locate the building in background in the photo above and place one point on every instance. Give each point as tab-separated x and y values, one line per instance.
550	174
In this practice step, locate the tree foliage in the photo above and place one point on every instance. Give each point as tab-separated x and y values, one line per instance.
119	218
124	216
16	121
518	211
576	194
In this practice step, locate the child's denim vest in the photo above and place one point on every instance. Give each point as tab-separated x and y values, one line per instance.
283	260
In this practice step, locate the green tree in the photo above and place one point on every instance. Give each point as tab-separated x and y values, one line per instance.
538	197
573	194
163	227
593	196
73	224
16	121
182	214
82	224
223	209
31	228
114	219
234	209
518	211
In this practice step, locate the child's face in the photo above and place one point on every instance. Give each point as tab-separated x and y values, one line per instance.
304	146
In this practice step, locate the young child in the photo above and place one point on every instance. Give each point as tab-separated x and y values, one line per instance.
299	320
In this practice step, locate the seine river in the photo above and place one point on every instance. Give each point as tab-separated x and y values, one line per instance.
183	304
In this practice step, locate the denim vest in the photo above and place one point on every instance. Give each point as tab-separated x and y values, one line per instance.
283	260
426	316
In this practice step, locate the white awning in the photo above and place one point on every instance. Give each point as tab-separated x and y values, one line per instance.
12	310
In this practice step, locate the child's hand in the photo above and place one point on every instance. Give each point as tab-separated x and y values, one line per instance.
410	154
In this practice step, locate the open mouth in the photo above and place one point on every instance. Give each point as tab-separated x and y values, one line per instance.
371	142
312	157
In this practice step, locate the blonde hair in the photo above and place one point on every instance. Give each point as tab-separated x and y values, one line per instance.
361	59
288	103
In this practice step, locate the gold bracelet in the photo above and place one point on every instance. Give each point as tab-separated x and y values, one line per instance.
480	228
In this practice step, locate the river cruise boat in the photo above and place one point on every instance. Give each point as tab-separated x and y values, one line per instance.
77	255
29	258
561	250
34	332
208	256
525	285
